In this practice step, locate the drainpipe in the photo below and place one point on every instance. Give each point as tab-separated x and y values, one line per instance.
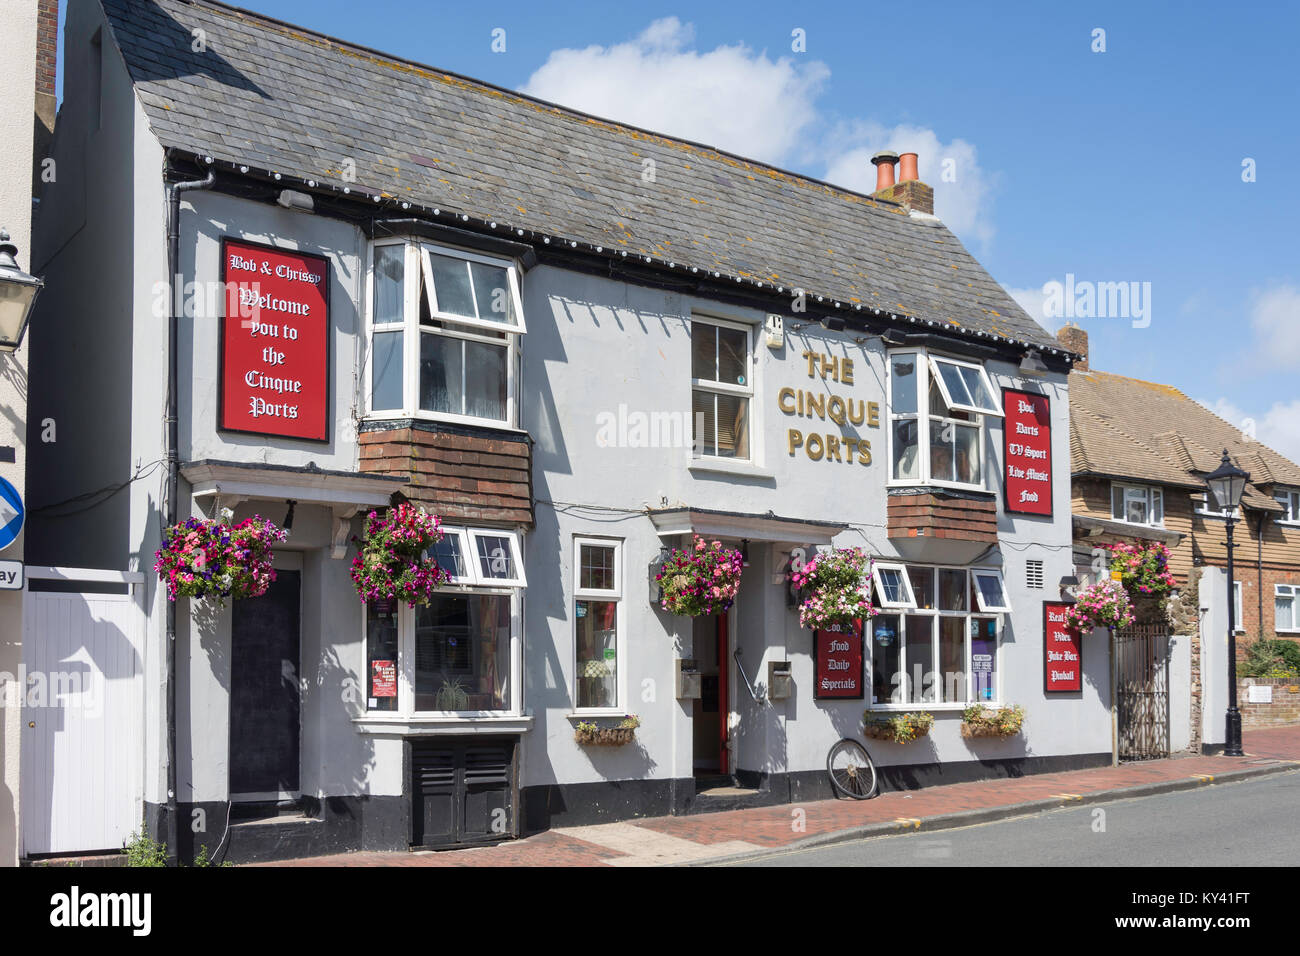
174	191
1259	572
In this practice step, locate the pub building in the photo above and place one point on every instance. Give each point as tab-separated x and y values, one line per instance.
581	345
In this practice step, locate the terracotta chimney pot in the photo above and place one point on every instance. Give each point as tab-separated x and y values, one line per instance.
884	161
907	167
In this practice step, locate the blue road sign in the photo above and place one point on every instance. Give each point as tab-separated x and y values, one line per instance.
11	514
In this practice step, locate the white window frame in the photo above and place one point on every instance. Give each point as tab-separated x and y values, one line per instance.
1290	501
746	391
1202	507
519	580
1293	592
923	375
984	606
426	269
620	633
936	360
909	599
1151	492
415	254
470	578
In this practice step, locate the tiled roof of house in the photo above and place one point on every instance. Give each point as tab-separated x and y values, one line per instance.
285	99
1127	428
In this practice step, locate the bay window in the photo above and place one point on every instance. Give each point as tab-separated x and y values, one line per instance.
444	328
935	641
598	643
938	440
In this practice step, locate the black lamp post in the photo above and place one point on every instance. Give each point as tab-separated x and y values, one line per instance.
17	293
1226	484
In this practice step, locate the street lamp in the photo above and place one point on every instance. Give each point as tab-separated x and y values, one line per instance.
1226	484
17	293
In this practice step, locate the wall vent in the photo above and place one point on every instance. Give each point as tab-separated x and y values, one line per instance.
1034	573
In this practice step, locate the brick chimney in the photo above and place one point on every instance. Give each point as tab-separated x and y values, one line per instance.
909	191
1075	339
47	40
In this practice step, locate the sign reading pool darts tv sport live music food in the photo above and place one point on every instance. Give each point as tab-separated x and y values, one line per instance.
1027	452
1062	657
275	342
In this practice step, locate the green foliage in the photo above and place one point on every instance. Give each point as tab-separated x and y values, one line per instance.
141	850
1002	722
900	728
1271	658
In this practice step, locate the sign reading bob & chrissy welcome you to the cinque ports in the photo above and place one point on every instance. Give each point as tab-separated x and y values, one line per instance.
275	342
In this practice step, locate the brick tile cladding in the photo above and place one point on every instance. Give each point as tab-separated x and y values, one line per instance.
463	478
941	516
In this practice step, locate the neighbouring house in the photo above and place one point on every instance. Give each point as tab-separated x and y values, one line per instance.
1139	453
582	345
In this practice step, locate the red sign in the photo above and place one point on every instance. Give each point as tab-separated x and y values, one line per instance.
383	678
275	342
1027	447
1062	657
839	664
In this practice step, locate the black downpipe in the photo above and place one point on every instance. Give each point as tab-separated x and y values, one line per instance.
176	289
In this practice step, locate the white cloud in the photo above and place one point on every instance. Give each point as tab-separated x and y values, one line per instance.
729	97
1278	427
1275	317
745	102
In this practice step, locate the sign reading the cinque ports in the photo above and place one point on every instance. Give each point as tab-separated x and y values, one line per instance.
842	411
839	665
1027	452
1062	657
275	342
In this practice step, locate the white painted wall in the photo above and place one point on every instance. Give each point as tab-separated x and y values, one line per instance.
1214	654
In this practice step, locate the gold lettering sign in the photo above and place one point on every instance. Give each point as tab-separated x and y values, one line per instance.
844	411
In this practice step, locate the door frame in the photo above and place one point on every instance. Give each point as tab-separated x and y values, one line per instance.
281	561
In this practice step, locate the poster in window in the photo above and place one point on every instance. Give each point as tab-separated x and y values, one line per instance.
839	672
1027	452
383	678
275	337
1062	657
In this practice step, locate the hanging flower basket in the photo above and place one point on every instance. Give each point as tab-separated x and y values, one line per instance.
591	734
700	580
1104	604
832	591
901	728
392	558
1145	574
979	721
200	558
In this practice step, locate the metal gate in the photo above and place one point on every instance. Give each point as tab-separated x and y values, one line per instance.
1142	691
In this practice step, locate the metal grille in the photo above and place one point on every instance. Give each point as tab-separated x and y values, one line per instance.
1034	573
1142	691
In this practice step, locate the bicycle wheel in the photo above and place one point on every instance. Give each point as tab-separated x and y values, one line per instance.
851	771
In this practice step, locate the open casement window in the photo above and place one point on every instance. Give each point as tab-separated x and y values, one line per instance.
893	588
989	592
1137	504
480	557
721	389
452	555
965	387
472	291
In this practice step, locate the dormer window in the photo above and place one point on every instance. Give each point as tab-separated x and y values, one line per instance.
1290	502
1137	504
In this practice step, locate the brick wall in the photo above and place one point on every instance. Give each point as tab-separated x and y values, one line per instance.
941	516
462	477
47	31
1253	584
1284	709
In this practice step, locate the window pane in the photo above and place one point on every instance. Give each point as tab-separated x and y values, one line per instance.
1117	502
902	374
942	439
1157	506
381	654
485	380
451	285
952	590
597	623
967	460
492	291
733	426
1135	503
389	269
906	463
956	384
442	383
891	583
733	357
983	658
1283	612
952	659
386	371
704	423
595	567
885	677
920	659
922	586
704	351
991	590
495	558
980	396
446	553
462	653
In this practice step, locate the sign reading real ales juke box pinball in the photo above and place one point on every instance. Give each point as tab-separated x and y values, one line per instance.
275	342
1028	452
1062	654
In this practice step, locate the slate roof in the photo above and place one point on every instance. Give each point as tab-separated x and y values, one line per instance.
1127	428
285	99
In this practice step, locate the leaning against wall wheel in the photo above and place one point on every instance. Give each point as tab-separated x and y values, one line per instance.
851	771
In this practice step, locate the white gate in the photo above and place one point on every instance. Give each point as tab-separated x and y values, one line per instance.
83	710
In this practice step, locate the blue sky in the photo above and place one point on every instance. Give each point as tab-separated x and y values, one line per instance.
1117	166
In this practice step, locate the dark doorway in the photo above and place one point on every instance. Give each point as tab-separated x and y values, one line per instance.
462	791
264	693
711	709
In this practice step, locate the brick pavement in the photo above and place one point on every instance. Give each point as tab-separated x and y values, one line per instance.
701	837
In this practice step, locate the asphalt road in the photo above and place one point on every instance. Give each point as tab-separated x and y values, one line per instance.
1252	823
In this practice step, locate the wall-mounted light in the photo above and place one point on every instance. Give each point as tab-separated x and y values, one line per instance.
17	293
1069	585
744	551
292	199
1032	363
832	323
288	518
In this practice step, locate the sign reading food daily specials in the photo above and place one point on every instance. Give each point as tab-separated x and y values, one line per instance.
839	665
1028	452
275	342
1062	657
